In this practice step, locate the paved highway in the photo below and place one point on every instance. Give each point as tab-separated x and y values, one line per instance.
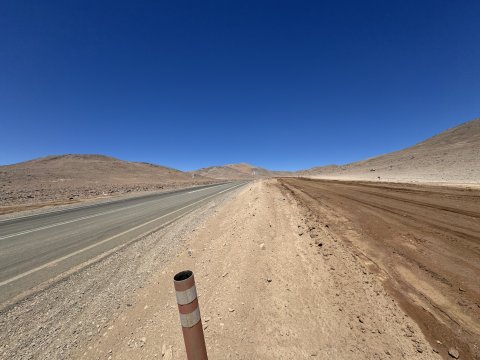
37	248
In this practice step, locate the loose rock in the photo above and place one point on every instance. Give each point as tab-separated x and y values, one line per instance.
453	353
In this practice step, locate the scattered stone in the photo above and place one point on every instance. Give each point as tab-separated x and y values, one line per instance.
453	353
168	354
262	246
231	310
225	274
190	252
269	280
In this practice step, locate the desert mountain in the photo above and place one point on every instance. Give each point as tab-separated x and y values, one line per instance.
235	172
453	155
68	177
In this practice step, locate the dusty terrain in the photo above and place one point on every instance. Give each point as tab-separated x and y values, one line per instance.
64	179
424	241
451	156
273	284
280	275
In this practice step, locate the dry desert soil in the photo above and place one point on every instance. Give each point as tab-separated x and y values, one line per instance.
285	269
424	241
274	283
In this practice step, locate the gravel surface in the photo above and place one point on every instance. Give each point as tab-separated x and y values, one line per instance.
64	318
273	283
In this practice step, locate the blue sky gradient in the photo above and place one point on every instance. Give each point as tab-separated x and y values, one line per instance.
280	84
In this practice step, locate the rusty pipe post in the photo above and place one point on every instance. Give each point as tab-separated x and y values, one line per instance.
189	310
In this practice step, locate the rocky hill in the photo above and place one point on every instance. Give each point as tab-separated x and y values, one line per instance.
67	178
451	156
240	171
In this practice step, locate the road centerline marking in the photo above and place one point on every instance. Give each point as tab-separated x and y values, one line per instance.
78	219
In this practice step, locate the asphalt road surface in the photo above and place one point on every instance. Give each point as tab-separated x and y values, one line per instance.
35	249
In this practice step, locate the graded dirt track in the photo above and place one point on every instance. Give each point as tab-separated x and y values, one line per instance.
422	241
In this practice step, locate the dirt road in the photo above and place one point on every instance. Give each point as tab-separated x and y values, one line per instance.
272	284
423	241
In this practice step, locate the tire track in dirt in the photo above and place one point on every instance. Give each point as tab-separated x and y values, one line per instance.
426	242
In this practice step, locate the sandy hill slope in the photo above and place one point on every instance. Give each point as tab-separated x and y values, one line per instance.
451	156
235	171
71	177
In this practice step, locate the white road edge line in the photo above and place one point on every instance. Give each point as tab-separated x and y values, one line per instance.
78	219
53	262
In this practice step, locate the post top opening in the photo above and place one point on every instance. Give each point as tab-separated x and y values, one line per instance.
183	275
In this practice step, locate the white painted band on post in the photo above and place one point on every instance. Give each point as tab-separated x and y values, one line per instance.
187	296
190	319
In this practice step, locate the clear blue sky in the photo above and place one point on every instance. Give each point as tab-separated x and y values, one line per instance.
280	84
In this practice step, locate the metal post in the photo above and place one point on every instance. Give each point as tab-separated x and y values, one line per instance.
189	310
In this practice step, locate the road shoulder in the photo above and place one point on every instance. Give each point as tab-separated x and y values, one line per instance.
272	285
62	318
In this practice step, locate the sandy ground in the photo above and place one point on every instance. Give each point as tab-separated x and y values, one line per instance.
432	178
424	240
272	284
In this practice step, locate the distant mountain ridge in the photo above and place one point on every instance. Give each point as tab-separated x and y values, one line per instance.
71	177
453	155
241	171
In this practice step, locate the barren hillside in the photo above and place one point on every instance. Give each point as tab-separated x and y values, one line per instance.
451	156
72	177
235	171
